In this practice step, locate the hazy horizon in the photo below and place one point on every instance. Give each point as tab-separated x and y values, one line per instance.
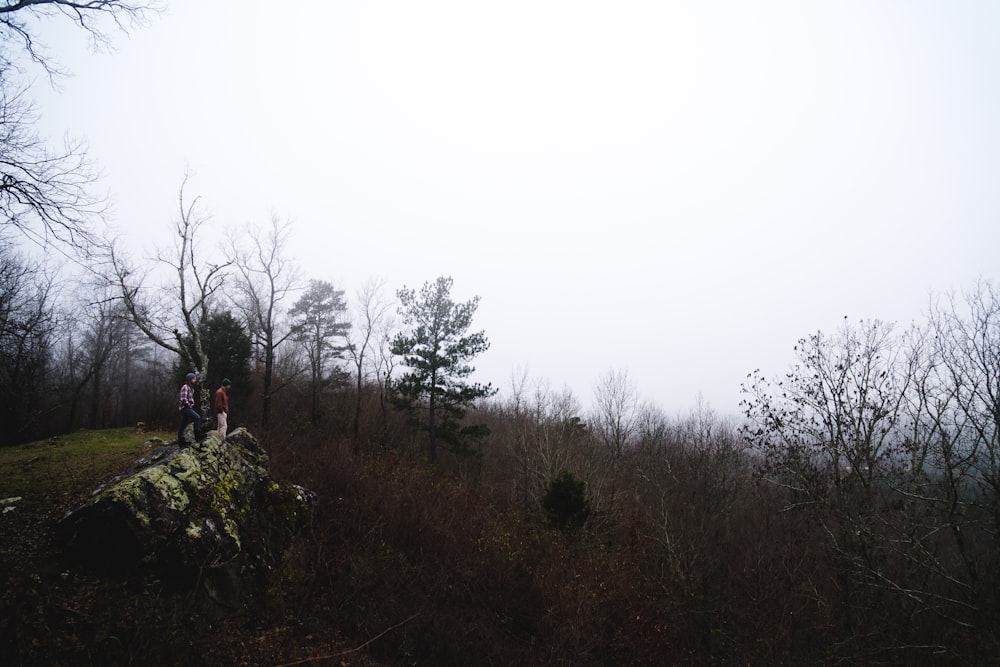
678	190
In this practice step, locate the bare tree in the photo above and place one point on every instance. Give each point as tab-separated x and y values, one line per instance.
45	193
373	322
537	435
20	21
383	364
616	413
547	439
520	428
889	444
169	315
967	344
559	431
652	428
958	436
104	336
692	478
266	278
836	415
28	324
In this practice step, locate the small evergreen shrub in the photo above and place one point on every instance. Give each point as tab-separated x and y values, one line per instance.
565	502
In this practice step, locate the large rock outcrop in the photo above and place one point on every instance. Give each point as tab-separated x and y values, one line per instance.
210	506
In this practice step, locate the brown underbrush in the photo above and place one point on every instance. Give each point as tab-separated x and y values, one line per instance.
410	564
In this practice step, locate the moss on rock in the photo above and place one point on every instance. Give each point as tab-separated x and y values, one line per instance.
199	507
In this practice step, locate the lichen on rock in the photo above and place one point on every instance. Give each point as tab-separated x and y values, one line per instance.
199	507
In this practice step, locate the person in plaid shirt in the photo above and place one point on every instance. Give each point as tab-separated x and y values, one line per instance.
188	414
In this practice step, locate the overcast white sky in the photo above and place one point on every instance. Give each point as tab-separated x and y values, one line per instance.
677	189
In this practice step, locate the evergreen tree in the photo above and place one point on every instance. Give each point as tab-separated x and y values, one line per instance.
565	502
319	321
436	350
229	350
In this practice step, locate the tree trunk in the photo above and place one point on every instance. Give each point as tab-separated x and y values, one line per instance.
265	408
430	419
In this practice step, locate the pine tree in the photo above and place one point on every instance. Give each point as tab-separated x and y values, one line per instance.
320	325
565	502
436	350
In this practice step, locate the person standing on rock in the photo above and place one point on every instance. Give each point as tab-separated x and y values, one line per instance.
222	407
188	414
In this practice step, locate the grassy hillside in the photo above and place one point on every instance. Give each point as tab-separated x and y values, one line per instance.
65	465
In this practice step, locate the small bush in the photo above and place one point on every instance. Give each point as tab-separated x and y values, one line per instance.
565	502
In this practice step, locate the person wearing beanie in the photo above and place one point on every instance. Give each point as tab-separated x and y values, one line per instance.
188	414
222	407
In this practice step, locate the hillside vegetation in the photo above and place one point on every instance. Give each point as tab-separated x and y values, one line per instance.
851	516
686	559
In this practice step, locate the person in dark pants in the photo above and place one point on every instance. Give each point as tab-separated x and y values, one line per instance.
188	414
